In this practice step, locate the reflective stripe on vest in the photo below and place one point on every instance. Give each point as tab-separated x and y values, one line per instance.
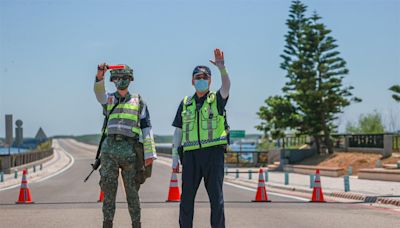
124	120
203	128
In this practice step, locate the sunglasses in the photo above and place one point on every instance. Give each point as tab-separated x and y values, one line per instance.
117	78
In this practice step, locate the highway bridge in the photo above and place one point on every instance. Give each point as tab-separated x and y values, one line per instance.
64	200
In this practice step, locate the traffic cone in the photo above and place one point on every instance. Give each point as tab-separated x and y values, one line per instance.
24	192
173	194
261	195
317	195
101	197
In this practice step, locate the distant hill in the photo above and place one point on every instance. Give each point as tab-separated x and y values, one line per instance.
94	139
89	139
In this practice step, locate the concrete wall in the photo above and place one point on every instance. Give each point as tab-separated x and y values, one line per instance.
386	151
294	156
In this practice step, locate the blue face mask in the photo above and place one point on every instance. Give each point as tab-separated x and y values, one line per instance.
201	85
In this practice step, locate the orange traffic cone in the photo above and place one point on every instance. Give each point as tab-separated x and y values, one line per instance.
261	195
101	197
24	192
174	195
317	195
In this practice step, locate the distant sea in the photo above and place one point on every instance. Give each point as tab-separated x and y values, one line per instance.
4	151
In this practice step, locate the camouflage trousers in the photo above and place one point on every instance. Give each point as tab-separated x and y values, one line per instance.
119	155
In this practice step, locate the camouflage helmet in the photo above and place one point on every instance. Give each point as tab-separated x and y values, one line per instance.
116	73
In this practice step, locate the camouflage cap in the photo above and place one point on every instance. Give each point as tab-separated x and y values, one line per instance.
121	72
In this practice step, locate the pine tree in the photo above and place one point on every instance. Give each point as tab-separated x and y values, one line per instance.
330	96
315	72
396	90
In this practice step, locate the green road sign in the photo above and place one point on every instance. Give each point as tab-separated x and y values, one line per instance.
237	133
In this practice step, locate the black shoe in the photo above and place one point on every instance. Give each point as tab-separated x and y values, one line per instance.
136	225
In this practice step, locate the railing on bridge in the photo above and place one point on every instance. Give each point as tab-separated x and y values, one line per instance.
42	151
293	141
241	158
366	141
28	157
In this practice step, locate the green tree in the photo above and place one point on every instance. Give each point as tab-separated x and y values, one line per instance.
315	71
396	90
278	114
367	124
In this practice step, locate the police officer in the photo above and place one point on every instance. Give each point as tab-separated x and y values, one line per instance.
201	131
128	130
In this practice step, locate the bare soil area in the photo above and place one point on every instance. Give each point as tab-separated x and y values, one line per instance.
357	160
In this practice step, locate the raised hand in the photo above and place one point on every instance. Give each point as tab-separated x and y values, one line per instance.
219	60
101	70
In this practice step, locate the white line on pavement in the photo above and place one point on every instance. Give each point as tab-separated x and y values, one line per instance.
269	193
246	188
52	175
62	170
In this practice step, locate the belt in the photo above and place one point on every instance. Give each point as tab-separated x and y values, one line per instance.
120	138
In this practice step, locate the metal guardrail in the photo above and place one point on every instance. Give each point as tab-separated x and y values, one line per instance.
233	157
354	141
366	141
293	141
28	157
243	158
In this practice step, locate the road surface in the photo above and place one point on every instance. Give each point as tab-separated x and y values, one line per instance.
65	201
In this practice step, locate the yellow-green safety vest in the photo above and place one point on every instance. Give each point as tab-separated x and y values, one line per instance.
124	120
202	128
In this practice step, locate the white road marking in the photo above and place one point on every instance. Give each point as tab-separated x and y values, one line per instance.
62	170
52	175
163	162
269	193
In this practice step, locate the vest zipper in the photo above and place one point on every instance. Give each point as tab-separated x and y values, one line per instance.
198	127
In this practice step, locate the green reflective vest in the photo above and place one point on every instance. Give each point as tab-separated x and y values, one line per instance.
202	128
124	120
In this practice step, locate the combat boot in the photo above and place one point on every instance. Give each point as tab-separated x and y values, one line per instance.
107	224
136	225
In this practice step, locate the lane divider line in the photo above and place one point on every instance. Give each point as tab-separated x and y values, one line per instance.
72	161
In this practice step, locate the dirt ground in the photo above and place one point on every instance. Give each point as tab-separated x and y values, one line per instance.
357	160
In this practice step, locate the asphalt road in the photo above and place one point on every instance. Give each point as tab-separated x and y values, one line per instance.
65	201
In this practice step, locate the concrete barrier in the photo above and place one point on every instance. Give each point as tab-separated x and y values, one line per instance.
379	174
24	160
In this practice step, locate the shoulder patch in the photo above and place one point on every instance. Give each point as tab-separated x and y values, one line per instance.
110	100
187	100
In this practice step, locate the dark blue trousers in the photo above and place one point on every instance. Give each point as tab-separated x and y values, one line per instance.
207	163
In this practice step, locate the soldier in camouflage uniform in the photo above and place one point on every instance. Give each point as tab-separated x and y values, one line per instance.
128	133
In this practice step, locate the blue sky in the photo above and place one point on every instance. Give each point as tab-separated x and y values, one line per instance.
49	51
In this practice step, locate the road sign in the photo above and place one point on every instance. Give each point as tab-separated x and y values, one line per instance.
237	133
